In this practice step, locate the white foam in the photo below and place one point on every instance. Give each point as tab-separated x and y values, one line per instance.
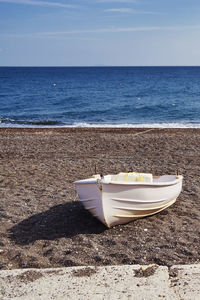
140	125
106	125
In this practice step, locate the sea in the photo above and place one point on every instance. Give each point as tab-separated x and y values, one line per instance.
147	97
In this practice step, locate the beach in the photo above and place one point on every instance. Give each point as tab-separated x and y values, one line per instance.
42	224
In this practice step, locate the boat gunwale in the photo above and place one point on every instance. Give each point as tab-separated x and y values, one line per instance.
178	179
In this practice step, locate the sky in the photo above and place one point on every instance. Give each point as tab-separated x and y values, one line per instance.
99	32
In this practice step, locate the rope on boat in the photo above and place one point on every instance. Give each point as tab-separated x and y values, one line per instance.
146	131
100	156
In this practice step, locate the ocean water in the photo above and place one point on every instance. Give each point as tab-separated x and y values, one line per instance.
100	97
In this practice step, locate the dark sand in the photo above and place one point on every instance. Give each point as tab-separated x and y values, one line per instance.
41	224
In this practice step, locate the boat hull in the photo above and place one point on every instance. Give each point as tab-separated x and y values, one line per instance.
115	204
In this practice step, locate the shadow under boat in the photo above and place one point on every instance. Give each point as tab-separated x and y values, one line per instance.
64	220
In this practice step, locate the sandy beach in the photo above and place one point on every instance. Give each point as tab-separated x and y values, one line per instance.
43	225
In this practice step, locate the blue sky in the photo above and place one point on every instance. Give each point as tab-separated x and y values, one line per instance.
99	32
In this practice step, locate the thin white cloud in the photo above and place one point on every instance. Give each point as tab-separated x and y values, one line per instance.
130	11
39	3
119	10
121	29
102	30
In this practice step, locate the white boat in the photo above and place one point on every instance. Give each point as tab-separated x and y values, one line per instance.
118	202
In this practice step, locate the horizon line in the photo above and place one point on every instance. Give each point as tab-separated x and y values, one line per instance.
96	66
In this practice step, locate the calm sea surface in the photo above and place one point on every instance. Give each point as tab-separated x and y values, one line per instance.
100	96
